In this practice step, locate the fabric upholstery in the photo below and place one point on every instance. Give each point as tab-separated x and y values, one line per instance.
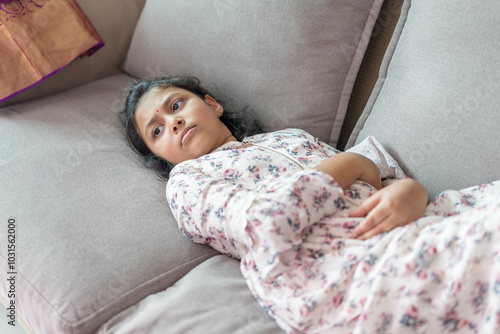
212	298
293	63
94	231
436	105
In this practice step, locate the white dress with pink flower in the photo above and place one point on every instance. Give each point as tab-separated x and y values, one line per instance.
288	224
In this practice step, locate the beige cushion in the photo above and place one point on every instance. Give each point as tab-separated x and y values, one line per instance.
435	105
370	66
292	62
94	231
212	298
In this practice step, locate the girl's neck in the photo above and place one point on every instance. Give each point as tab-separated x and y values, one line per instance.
229	139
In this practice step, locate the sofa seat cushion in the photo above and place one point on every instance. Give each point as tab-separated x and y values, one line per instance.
293	63
212	298
94	233
436	105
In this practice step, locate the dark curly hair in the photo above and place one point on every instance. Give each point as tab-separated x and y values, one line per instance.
240	127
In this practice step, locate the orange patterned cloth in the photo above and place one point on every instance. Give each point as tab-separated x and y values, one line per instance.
39	38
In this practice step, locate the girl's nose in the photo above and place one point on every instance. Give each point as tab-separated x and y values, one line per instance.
177	124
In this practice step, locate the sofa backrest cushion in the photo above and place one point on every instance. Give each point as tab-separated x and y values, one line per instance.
293	63
370	67
436	105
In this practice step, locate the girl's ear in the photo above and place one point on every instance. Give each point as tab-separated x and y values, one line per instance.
214	105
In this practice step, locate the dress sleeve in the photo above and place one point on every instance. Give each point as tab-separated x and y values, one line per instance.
281	217
271	221
327	149
203	206
322	146
387	165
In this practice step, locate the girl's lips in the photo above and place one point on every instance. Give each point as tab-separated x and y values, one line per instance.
186	133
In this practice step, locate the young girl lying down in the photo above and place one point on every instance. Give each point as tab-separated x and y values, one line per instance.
306	220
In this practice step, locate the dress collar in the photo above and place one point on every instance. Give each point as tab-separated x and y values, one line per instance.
233	145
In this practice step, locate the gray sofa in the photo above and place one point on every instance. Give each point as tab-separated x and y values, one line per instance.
97	248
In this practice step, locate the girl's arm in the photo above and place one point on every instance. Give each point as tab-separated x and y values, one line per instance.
348	167
398	203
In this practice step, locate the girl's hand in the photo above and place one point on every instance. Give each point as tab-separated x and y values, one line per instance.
398	203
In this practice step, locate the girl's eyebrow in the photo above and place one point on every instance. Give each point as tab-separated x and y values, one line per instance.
166	101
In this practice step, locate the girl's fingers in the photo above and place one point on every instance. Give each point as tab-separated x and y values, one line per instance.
374	220
395	205
374	231
365	207
388	223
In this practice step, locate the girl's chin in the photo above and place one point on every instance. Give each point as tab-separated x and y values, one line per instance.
193	149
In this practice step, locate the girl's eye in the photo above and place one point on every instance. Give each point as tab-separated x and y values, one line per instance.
157	131
176	105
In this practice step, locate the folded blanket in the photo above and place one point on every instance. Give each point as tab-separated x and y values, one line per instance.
39	38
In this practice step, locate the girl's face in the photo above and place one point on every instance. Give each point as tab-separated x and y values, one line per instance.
177	125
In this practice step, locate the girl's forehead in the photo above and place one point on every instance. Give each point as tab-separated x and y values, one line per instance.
156	95
150	100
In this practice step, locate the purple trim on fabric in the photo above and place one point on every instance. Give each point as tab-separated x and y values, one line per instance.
92	49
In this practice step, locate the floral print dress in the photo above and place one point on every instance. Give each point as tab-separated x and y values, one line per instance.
263	203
